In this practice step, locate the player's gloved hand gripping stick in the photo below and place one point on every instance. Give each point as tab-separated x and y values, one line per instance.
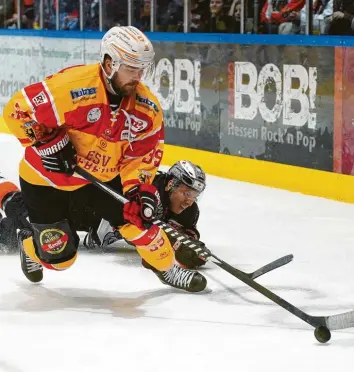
322	324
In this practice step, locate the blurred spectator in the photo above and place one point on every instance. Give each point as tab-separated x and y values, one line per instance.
143	21
341	22
115	13
170	16
235	14
69	14
281	16
91	14
7	9
27	15
199	12
219	18
322	10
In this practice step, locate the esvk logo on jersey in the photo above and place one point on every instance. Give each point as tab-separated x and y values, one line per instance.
294	83
133	125
137	124
176	85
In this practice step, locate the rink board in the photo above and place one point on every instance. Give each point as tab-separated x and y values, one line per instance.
307	181
304	180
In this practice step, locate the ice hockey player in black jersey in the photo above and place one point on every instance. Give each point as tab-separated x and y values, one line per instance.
179	190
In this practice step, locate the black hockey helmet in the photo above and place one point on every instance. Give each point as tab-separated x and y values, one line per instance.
187	173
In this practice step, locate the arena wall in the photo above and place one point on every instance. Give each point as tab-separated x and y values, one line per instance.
266	109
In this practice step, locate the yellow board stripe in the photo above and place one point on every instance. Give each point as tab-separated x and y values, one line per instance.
307	181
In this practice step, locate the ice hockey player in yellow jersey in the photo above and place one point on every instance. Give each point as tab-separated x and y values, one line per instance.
102	118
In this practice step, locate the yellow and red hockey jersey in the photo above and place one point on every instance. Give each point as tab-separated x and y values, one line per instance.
127	141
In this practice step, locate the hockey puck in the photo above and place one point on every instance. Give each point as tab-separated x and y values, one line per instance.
322	334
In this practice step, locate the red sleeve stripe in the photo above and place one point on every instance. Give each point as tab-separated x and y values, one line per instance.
29	103
146	237
25	141
142	147
54	107
39	173
150	134
131	182
42	104
33	160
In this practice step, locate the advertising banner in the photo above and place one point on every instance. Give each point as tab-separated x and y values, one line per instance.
186	84
268	102
264	102
276	104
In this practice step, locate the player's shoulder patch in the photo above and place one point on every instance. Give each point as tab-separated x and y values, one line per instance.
147	102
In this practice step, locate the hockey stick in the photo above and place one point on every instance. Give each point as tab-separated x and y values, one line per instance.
271	266
332	322
339	321
203	252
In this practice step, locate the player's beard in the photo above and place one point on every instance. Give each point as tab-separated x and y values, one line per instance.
129	89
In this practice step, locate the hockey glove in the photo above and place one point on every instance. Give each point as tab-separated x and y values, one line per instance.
142	206
58	155
187	257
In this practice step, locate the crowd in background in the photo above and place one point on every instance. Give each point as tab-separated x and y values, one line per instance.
333	17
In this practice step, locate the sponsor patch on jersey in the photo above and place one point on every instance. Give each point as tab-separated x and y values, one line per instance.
53	241
147	102
40	99
83	94
94	115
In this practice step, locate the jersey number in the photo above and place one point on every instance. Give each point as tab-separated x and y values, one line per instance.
154	156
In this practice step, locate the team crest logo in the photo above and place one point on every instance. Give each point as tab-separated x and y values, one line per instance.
35	131
144	176
94	115
19	113
53	241
137	124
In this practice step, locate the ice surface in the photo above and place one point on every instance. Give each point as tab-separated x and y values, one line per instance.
109	314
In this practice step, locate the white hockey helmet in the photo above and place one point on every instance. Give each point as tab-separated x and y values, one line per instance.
128	46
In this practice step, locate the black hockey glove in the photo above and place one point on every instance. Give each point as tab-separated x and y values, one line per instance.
58	155
14	206
188	258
